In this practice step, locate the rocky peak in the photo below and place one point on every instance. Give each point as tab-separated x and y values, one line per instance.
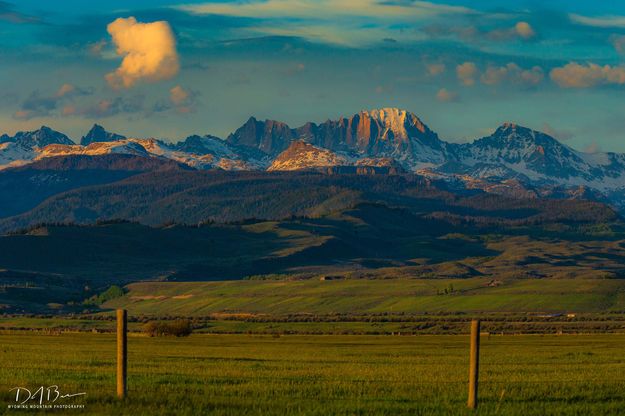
269	136
512	144
386	132
99	134
510	135
400	122
39	138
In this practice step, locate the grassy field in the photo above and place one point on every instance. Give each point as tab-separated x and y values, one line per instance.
373	296
365	243
322	375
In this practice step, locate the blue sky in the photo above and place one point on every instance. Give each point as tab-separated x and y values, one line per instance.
464	67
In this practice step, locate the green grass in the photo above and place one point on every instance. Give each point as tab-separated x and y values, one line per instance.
372	296
323	375
368	242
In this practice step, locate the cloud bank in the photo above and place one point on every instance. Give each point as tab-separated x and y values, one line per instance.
574	75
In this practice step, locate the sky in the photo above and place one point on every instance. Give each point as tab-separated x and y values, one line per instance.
169	69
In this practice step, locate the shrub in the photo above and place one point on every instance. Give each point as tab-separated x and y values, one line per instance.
178	328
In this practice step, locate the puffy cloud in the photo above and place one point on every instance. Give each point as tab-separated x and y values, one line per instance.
181	100
466	73
149	51
445	96
178	95
184	101
524	30
436	69
514	74
574	75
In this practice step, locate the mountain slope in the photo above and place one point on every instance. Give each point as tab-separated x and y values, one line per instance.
23	147
385	133
388	132
538	159
302	155
37	138
23	188
194	197
514	160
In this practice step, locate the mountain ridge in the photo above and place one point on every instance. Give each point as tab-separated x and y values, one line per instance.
395	136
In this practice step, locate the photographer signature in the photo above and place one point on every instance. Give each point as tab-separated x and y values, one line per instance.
48	394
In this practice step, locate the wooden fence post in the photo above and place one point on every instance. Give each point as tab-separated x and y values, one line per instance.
474	363
122	352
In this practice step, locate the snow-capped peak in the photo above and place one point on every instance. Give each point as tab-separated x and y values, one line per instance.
396	120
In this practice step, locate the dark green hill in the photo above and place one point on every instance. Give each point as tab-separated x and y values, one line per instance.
194	197
23	188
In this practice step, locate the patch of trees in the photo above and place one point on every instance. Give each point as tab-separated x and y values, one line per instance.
111	293
177	328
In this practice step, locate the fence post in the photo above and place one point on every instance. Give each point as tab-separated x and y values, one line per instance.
474	363
122	352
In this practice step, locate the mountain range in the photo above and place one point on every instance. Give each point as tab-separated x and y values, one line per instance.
514	160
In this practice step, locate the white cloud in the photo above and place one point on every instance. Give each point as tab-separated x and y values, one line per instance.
327	9
598	21
574	75
341	22
466	73
149	51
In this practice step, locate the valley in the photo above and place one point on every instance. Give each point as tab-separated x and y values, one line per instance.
359	211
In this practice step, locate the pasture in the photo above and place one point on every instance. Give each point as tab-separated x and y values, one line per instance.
279	297
321	375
